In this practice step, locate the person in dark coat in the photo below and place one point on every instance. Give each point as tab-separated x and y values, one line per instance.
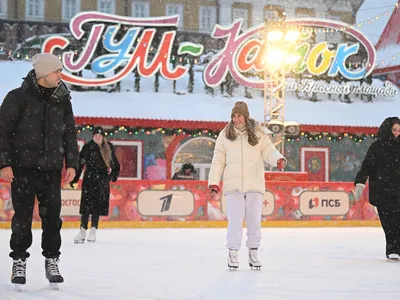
102	166
381	166
187	172
37	136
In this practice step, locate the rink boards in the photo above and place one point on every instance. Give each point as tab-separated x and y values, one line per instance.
188	204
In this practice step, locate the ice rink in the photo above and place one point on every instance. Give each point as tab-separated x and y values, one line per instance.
188	264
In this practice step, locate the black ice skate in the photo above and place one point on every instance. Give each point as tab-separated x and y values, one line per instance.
393	257
18	277
233	261
254	263
53	273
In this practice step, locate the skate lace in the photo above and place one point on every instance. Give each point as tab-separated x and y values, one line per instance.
233	256
52	266
19	268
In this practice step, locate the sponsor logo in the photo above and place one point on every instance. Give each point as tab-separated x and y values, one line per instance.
165	203
317	203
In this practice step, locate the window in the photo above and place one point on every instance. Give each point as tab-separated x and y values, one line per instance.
34	9
304	12
175	9
141	9
199	152
70	8
241	13
273	13
106	6
208	18
129	154
3	8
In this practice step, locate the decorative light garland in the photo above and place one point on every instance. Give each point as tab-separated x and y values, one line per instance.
214	133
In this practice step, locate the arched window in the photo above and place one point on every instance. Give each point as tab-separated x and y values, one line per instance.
198	151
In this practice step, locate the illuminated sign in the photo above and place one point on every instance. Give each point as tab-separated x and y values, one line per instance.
243	51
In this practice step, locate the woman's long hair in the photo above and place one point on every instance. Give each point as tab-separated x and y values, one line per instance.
105	152
251	126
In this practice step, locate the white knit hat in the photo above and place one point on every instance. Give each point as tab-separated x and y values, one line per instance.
45	63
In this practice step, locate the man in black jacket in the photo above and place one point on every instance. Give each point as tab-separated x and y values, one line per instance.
37	135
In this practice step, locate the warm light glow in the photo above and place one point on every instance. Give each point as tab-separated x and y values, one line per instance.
275	56
292	59
275	35
292	36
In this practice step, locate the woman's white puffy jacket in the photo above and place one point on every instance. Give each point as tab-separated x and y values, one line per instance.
241	164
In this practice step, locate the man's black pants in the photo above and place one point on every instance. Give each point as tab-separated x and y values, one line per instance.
46	185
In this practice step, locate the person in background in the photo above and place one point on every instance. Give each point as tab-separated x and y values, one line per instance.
381	167
186	173
240	151
37	136
102	166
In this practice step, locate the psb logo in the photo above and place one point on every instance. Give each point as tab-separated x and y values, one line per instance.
165	203
313	203
319	203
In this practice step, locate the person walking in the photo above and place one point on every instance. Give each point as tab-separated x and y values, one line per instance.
381	167
102	166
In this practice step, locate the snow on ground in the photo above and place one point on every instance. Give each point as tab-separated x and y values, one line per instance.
199	106
190	264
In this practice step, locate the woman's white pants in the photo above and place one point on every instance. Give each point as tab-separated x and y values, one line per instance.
240	206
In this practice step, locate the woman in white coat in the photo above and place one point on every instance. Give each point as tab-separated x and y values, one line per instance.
239	155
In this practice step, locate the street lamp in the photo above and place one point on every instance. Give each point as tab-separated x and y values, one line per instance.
278	40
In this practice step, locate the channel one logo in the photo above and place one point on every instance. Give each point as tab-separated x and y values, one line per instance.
165	203
320	203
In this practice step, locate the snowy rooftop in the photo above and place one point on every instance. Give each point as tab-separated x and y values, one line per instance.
198	106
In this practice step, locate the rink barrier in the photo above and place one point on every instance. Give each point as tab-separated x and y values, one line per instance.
211	224
188	204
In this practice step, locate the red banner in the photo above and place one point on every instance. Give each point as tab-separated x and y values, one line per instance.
190	200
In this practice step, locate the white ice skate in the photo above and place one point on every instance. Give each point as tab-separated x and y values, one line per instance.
254	263
80	237
92	235
393	257
233	261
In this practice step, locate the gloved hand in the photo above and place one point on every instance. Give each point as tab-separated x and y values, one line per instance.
71	184
281	164
214	189
359	189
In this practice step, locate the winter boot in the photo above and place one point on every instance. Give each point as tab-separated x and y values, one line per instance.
19	271
253	260
92	235
81	236
233	261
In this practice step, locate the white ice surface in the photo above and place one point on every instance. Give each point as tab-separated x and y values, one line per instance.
188	264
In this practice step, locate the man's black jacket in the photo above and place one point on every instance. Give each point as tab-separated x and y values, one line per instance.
37	131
